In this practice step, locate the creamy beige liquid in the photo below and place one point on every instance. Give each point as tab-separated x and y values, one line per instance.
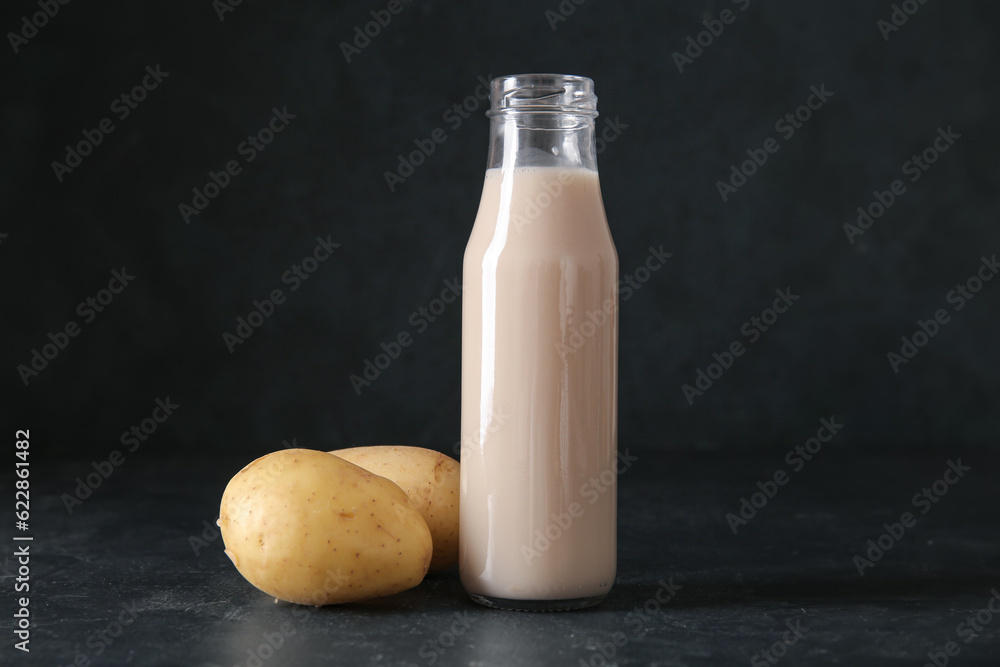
539	389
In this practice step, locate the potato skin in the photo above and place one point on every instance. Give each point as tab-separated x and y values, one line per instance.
430	479
307	527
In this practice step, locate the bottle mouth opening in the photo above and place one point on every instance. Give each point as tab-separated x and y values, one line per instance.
542	93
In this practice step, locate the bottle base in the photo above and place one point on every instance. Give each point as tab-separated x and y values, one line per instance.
537	605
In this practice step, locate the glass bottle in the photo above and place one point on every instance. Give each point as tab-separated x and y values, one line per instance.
539	358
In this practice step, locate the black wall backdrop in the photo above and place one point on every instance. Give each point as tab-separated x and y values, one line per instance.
885	83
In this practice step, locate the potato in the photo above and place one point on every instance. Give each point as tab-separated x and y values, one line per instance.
311	528
430	479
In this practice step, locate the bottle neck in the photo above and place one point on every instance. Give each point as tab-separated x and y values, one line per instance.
542	139
542	120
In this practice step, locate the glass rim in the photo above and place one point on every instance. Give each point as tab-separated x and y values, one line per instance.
542	93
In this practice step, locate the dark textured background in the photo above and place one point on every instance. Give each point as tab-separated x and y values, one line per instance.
323	176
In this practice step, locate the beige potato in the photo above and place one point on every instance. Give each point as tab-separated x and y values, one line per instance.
430	479
311	528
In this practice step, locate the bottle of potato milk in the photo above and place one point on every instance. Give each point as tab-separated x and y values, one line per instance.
539	358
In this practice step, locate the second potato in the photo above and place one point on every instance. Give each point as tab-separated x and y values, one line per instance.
430	479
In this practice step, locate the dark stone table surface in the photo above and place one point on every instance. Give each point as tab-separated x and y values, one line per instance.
136	575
